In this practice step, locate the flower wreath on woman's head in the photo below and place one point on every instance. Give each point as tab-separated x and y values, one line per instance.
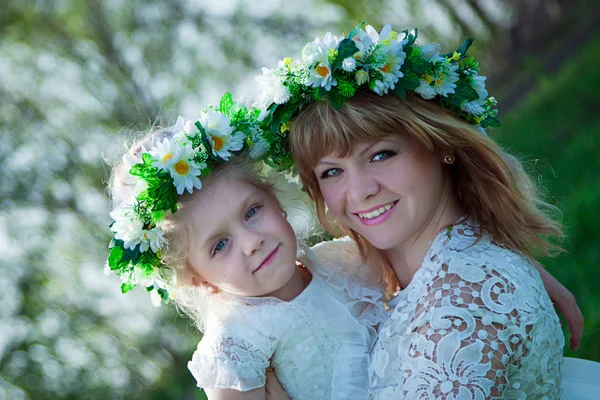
174	165
385	62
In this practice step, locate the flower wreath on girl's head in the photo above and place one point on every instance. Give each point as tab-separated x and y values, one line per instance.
174	165
387	62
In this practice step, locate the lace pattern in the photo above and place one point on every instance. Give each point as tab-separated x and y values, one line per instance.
474	323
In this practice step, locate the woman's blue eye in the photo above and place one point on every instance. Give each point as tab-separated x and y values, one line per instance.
330	173
219	246
383	155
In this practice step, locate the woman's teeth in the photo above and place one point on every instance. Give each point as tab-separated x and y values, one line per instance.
378	212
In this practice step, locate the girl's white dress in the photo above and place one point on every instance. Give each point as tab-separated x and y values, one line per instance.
475	322
318	343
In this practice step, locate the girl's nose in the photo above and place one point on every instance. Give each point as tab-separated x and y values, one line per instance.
251	242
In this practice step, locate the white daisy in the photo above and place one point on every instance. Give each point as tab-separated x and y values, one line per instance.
163	154
442	80
153	239
425	90
317	56
271	87
394	58
130	229
445	80
217	127
475	107
321	76
185	171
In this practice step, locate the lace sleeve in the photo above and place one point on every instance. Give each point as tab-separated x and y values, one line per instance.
473	327
226	362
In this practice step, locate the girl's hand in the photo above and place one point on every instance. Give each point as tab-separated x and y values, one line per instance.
274	390
565	302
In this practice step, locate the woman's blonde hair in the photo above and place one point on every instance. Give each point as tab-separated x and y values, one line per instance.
194	300
490	184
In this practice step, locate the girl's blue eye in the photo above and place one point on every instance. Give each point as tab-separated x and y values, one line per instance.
383	155
330	173
251	212
219	246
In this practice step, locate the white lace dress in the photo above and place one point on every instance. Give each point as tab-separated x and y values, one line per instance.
319	343
474	323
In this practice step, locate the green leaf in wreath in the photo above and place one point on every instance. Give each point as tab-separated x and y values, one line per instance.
354	31
227	105
126	287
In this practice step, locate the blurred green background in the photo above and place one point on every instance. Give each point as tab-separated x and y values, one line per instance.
75	75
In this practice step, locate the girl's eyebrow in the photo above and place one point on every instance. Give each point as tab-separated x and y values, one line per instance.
216	231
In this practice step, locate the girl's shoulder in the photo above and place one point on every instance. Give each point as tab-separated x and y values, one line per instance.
233	353
340	259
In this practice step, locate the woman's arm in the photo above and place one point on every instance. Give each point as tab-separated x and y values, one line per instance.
565	302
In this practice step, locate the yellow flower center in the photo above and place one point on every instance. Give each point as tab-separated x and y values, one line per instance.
439	81
218	143
427	78
285	127
386	68
145	235
167	157
182	167
322	70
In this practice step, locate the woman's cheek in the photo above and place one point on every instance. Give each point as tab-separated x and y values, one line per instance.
333	199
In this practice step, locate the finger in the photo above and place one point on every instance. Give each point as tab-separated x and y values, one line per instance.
576	329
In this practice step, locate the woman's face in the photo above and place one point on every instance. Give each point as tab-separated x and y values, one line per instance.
386	190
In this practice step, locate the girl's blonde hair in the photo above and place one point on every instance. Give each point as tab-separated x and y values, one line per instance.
194	300
489	183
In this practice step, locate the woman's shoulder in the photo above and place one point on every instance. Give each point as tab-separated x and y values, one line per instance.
465	245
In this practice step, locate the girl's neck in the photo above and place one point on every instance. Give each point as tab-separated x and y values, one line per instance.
296	285
407	257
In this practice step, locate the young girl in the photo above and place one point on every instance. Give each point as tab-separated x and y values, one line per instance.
195	223
389	136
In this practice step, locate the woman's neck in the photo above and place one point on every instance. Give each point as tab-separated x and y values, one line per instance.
407	257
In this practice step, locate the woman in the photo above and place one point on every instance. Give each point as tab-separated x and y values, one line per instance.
388	135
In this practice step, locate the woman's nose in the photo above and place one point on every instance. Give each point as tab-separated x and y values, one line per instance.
361	186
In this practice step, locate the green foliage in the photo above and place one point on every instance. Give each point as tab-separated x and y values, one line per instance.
227	105
161	193
557	128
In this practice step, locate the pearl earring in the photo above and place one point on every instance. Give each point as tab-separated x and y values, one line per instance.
284	213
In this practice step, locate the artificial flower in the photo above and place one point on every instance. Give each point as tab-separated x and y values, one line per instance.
218	128
476	107
271	86
185	171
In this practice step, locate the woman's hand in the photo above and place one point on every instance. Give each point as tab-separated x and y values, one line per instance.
274	390
565	302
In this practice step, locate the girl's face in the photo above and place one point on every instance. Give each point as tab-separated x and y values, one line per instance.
386	190
242	243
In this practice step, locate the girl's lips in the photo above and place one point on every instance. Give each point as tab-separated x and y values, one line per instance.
379	219
267	260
